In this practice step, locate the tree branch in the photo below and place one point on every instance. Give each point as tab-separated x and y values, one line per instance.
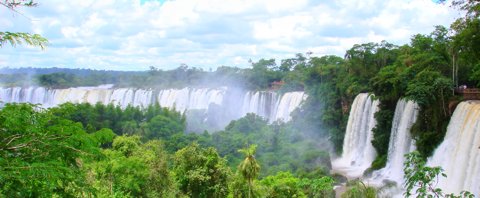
13	137
13	4
20	37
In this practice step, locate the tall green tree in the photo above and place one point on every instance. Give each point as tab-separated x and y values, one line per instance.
201	172
41	155
249	167
465	48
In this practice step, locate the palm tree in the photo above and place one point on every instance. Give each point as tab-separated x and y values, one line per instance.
249	168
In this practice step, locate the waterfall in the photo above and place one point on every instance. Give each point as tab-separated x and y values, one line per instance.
358	152
189	98
287	104
400	144
261	103
270	106
229	104
459	153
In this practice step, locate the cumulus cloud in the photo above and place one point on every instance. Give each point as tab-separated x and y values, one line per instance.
136	34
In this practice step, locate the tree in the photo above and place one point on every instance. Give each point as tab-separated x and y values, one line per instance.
262	74
466	49
250	123
428	88
319	187
201	172
472	7
249	168
58	80
282	185
15	38
42	154
131	168
162	126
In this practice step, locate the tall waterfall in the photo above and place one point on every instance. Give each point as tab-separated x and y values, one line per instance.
270	105
262	103
459	153
358	152
287	104
229	106
400	143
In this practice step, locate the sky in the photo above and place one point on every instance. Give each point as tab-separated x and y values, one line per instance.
137	34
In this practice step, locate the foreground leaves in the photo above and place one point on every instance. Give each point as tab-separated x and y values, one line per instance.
41	154
19	38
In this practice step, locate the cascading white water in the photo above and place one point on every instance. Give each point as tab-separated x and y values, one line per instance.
188	98
287	104
261	103
459	153
267	104
358	152
270	106
400	144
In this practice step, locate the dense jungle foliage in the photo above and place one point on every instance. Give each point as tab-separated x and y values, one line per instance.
84	150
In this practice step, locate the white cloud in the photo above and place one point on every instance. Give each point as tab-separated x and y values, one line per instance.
231	7
70	32
276	6
174	14
284	29
127	35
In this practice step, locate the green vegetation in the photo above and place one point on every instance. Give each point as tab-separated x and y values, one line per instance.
419	71
18	38
201	172
42	154
130	168
423	179
85	150
249	168
357	189
282	185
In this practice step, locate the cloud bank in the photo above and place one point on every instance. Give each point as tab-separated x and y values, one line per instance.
136	34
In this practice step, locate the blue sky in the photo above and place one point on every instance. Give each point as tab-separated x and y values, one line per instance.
136	34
